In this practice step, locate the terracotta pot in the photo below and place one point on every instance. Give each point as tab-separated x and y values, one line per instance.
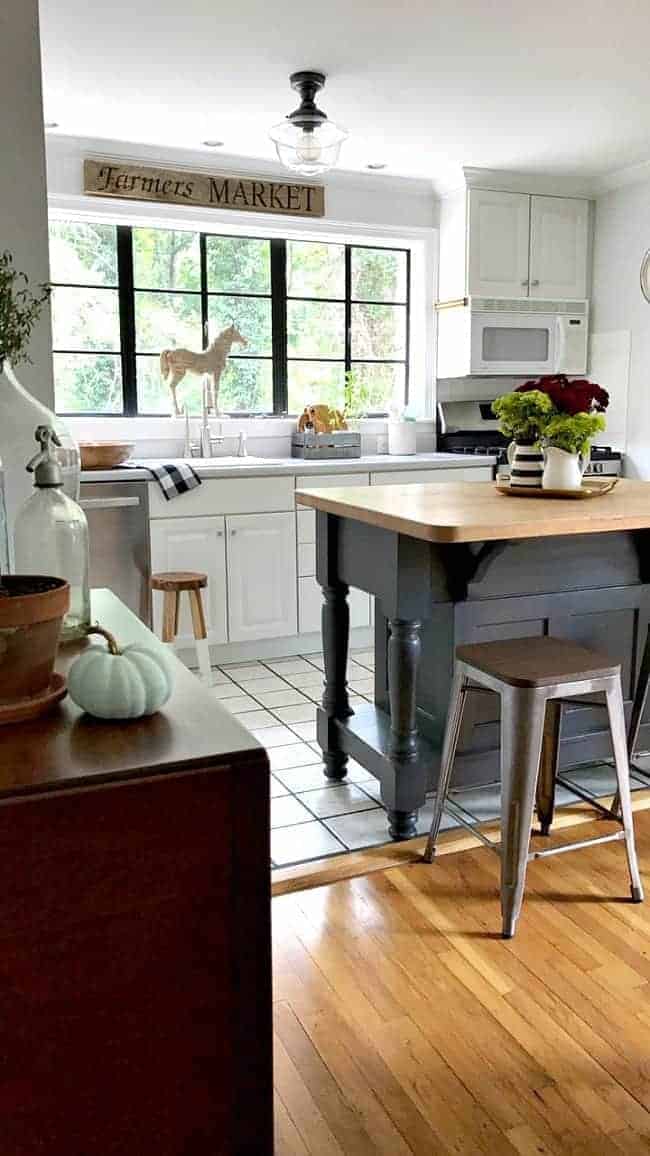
31	612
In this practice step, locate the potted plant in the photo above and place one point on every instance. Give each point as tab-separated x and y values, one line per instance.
356	397
20	413
523	416
578	408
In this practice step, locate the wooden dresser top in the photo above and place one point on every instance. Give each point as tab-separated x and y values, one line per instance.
477	512
67	748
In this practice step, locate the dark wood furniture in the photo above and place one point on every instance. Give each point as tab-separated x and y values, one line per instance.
458	563
135	975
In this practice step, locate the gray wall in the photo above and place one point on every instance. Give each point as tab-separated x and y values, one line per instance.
619	310
23	193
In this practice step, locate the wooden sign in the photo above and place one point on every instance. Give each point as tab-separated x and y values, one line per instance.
135	182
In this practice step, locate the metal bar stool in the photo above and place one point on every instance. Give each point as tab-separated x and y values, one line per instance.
531	675
172	585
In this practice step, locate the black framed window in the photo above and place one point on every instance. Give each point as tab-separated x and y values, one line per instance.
311	312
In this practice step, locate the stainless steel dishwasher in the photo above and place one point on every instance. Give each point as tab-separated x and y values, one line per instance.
118	524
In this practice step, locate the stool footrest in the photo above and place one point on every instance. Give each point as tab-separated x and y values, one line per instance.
618	835
580	794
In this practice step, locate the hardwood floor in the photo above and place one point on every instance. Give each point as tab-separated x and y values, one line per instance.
405	1025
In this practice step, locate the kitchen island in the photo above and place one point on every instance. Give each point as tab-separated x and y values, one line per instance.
135	993
460	563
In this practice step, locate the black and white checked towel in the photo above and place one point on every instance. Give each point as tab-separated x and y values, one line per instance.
174	478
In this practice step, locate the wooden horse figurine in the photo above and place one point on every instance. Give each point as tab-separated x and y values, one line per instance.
175	363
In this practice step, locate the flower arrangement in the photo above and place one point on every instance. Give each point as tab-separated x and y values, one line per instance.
524	415
19	311
571	416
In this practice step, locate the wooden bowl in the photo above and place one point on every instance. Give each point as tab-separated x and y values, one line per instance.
104	455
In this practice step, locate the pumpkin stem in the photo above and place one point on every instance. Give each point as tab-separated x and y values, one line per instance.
110	638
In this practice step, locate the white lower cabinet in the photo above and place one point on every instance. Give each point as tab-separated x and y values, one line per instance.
261	576
192	544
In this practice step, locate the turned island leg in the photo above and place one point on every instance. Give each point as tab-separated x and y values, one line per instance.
404	646
335	620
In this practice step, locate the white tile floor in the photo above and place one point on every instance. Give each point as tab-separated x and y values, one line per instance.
310	817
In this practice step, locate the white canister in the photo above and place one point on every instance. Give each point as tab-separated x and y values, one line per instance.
402	437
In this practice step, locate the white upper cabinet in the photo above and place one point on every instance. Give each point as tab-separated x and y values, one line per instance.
559	232
498	237
192	544
497	243
262	595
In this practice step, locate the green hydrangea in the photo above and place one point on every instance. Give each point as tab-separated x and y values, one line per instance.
524	416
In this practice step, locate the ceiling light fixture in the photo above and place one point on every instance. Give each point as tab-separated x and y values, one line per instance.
213	144
306	141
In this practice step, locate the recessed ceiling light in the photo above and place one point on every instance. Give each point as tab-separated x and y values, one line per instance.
51	124
377	165
213	144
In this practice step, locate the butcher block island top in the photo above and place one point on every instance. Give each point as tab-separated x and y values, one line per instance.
449	512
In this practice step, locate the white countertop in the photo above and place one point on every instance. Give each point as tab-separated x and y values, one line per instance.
255	467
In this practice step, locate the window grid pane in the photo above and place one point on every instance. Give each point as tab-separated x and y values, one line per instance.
335	307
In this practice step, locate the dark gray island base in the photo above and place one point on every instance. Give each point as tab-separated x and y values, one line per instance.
431	596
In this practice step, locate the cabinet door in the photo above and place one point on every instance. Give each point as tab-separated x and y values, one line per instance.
498	243
261	576
559	229
192	544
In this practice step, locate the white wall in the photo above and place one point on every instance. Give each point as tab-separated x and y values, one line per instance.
23	198
621	315
350	198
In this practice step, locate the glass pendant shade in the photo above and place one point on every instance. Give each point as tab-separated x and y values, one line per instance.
307	142
308	148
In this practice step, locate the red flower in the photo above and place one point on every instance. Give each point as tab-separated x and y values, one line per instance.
578	396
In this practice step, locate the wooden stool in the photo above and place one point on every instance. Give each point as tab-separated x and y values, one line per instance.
172	585
530	675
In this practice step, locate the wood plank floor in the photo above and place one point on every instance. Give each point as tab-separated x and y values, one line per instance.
405	1024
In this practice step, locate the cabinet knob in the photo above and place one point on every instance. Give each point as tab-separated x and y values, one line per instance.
232	533
524	284
535	282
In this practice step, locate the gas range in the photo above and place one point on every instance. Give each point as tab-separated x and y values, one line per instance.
469	428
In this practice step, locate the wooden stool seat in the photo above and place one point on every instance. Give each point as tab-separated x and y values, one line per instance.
173	584
532	676
531	662
179	580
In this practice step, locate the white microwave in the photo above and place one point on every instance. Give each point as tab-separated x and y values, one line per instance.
494	336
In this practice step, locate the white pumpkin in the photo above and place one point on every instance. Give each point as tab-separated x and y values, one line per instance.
116	684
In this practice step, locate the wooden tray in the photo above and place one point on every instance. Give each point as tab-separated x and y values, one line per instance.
591	488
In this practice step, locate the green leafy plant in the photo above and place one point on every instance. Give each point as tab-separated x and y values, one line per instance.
523	416
356	395
573	433
19	311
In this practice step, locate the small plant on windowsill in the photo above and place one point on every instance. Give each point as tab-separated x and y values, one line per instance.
356	396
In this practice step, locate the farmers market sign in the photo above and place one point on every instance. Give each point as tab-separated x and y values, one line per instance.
111	179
